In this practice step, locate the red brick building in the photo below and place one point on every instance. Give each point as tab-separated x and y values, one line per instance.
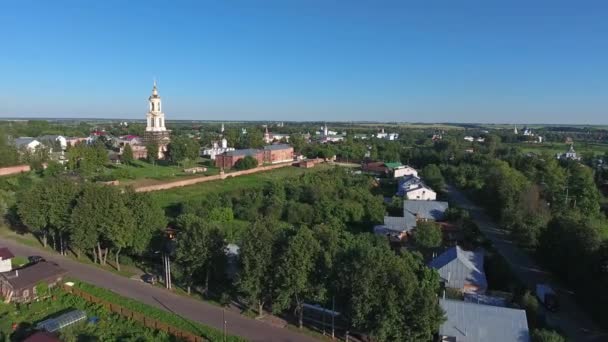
227	160
271	154
280	153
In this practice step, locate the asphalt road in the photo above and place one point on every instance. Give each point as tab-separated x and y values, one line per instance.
195	310
570	319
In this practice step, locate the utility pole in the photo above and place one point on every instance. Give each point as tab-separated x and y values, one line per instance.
333	314
224	320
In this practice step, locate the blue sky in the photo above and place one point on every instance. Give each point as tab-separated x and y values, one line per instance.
411	61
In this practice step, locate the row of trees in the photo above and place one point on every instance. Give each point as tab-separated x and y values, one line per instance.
550	207
89	218
386	296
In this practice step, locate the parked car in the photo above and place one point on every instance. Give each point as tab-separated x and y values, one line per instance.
34	259
547	297
149	278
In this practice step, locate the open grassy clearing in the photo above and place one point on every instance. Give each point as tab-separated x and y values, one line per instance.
141	171
553	148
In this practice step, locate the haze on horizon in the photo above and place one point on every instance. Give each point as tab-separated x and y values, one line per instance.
471	61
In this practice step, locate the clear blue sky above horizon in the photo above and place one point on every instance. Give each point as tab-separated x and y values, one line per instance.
428	61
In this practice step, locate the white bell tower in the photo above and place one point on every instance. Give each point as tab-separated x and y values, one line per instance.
155	117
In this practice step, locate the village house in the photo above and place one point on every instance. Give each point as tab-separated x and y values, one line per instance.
27	143
393	170
479	323
401	227
421	193
395	228
54	140
413	188
461	270
5	259
20	285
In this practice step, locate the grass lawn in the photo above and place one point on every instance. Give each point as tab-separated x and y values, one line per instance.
18	261
142	170
110	327
174	196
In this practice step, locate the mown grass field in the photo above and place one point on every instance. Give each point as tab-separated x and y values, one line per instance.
167	198
141	171
554	148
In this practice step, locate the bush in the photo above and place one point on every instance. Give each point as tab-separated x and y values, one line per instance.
246	163
544	335
428	235
122	173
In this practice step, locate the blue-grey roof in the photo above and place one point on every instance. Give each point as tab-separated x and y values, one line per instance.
245	152
485	299
458	268
429	210
277	147
407	182
396	224
23	141
480	323
50	137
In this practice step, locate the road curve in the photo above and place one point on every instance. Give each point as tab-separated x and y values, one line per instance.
570	319
195	310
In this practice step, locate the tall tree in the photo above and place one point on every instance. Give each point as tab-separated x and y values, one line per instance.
200	250
127	154
428	235
46	208
379	292
149	217
433	177
8	153
102	220
183	149
297	281
258	257
152	152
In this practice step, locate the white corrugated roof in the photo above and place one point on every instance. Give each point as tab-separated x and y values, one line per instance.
472	322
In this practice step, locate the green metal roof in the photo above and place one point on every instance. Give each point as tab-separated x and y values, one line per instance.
393	165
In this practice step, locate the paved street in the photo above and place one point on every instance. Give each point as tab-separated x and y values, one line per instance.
570	318
190	308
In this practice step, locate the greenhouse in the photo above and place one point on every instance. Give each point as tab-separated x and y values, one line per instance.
59	322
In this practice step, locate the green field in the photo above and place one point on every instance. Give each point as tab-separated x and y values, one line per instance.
179	195
554	148
140	171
